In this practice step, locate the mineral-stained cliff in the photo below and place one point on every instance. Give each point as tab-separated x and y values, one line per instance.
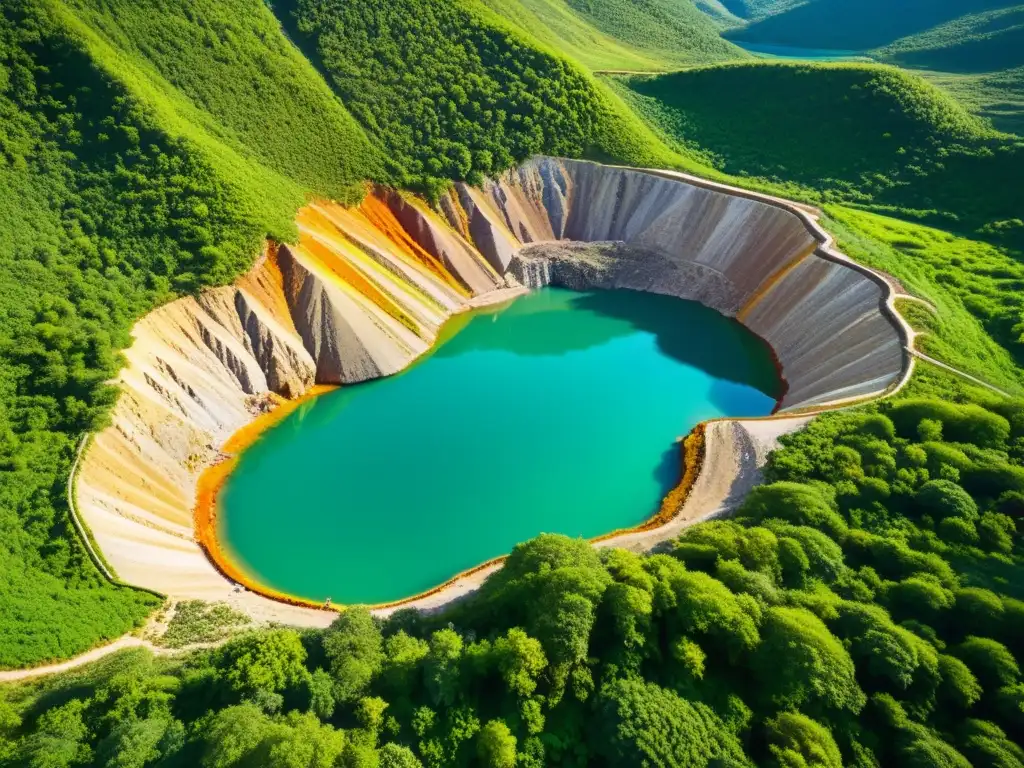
763	261
366	289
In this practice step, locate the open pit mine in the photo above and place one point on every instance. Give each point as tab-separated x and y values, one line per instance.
365	291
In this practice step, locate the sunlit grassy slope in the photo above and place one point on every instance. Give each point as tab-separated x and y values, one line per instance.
648	35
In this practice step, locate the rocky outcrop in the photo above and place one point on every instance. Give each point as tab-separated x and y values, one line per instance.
366	289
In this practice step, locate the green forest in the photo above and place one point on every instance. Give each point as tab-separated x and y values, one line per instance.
863	607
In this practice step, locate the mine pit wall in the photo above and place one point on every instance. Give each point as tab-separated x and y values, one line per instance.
357	298
748	256
365	291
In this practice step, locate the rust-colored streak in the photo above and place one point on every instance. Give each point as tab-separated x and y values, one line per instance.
211	483
773	280
381	218
266	283
341	269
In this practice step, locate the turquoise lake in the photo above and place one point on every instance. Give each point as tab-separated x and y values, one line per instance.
770	51
559	412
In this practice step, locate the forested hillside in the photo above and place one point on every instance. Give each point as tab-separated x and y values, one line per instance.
844	132
863	608
453	92
614	34
856	25
981	42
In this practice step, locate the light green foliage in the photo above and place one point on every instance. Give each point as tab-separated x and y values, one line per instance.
985	743
302	741
270	662
960	688
520	659
695	603
801	664
496	746
612	34
320	690
354	650
970	283
996	532
441	667
917	597
233	734
641	723
397	756
134	744
942	499
59	739
794	503
994	96
967	423
989	660
195	621
797	741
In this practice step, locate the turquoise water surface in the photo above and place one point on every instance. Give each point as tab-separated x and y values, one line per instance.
558	412
767	50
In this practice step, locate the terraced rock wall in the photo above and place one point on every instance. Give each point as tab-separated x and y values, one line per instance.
762	261
365	290
357	298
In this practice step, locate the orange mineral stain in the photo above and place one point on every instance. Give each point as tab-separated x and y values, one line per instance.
212	481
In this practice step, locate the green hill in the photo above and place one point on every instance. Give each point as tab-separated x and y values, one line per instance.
866	134
620	34
995	96
453	91
751	10
981	42
856	25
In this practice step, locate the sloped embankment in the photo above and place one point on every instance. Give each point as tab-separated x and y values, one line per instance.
365	291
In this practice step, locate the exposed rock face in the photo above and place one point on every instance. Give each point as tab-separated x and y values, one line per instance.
357	298
760	260
365	291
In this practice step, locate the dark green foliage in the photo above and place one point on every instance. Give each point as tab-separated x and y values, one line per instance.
966	423
671	31
449	91
354	650
800	664
854	133
977	42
